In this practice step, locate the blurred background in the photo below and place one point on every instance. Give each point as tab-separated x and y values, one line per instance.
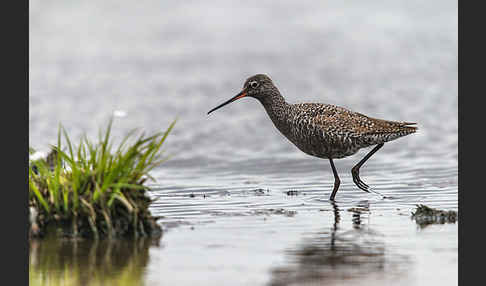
149	62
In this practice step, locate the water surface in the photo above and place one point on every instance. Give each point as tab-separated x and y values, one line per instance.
227	215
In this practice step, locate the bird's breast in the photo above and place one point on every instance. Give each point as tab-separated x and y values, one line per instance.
313	139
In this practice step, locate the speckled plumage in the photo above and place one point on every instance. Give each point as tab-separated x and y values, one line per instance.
323	130
329	131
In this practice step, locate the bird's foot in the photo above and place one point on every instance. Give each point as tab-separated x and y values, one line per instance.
363	186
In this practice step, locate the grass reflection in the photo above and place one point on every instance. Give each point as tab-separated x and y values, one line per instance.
88	262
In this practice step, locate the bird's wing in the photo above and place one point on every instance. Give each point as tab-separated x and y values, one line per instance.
337	119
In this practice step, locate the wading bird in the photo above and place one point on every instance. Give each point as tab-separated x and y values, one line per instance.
323	130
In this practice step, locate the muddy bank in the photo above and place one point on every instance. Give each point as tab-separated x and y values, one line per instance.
425	216
92	189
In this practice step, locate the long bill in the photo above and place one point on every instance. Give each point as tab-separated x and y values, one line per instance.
238	96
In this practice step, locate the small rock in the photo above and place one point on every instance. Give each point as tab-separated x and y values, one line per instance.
292	193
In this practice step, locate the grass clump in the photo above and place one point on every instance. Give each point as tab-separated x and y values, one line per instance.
425	216
92	190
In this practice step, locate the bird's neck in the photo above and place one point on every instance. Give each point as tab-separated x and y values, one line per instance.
276	107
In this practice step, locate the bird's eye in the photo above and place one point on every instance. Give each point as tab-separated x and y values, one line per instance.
254	84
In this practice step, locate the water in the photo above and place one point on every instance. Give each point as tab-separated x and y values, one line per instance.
227	215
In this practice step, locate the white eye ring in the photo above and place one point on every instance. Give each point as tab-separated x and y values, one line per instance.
254	84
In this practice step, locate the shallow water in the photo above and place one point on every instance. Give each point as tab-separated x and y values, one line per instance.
223	195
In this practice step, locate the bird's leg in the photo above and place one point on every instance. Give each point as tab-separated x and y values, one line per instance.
337	182
355	170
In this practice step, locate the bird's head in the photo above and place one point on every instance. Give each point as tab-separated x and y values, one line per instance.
258	86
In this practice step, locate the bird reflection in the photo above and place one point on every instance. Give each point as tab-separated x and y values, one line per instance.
336	254
337	218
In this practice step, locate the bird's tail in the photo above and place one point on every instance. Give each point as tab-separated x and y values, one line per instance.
391	130
408	127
